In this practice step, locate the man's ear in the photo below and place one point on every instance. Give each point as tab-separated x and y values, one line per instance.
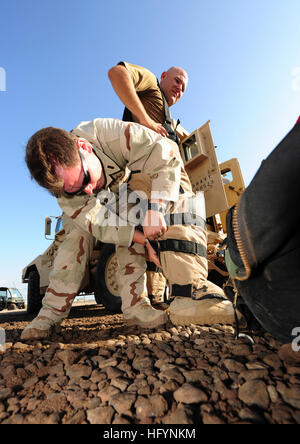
163	75
84	145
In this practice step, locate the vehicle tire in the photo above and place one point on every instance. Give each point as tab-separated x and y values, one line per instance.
11	307
107	286
34	298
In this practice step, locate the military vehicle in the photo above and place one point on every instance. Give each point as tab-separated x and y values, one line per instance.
11	299
222	185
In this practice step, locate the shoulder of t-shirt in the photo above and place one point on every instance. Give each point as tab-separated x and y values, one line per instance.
141	69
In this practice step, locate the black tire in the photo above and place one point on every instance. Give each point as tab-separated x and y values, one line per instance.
103	295
34	298
11	307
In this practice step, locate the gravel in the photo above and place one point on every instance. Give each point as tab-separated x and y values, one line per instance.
97	370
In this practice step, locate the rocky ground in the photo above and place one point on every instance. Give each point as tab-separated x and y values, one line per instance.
96	370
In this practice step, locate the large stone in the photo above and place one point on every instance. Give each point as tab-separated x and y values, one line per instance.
100	415
143	408
143	363
5	393
178	416
255	393
288	355
68	357
188	394
79	371
290	395
233	366
209	418
272	360
122	402
111	362
159	405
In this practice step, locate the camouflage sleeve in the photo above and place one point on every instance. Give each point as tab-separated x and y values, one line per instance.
143	150
90	215
153	154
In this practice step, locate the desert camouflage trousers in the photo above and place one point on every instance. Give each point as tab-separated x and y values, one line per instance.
71	263
70	267
178	268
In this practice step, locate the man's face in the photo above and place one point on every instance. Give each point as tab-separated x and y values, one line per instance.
87	175
173	84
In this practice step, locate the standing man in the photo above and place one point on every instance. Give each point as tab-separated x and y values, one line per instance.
96	158
147	102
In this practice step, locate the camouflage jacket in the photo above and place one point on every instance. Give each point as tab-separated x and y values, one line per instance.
122	148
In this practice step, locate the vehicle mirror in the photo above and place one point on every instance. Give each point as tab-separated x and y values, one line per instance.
48	223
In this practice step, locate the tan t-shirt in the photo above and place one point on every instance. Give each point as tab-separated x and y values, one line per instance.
148	91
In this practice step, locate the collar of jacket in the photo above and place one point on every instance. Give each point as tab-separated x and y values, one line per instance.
111	169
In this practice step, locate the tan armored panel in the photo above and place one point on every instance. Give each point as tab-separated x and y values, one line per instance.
233	183
201	164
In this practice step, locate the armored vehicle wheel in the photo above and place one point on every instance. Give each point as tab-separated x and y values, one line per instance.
12	307
34	298
106	279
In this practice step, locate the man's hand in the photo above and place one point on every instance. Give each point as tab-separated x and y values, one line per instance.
154	224
152	256
157	127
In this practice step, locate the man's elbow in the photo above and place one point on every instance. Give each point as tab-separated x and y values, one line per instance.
116	72
113	72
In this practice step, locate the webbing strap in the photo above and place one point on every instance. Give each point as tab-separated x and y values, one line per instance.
168	123
182	290
185	219
152	267
180	219
181	246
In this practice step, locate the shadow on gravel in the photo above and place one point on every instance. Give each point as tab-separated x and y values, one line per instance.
85	324
76	312
83	311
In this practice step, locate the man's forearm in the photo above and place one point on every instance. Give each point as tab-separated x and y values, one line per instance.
125	90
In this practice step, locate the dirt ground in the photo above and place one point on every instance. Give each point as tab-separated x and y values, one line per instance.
96	370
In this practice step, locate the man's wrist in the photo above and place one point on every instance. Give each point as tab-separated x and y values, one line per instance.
146	242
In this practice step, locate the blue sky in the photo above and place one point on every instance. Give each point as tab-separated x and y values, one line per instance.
242	58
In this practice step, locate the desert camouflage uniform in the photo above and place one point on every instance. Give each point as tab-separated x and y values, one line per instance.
123	149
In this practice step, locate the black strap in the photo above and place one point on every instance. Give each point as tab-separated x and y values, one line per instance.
185	219
127	115
152	267
181	290
181	246
168	122
177	218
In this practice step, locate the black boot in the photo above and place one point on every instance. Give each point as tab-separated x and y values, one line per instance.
263	254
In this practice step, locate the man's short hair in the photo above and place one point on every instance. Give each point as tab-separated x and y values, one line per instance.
47	148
